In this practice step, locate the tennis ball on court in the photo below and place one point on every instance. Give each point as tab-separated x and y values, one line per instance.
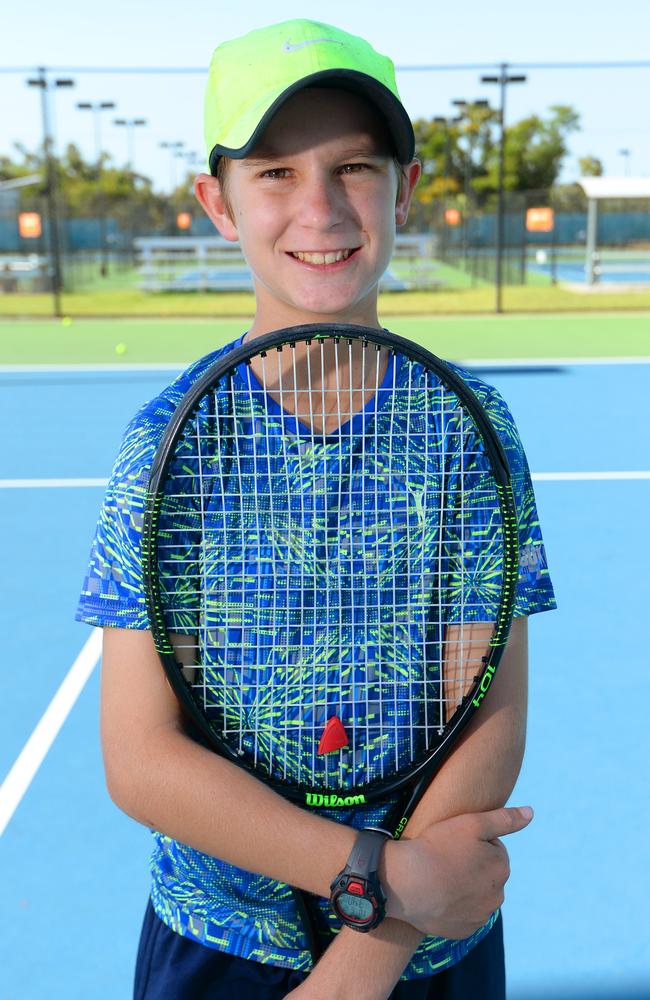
66	321
120	348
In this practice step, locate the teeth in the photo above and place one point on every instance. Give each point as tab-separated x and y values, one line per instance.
323	258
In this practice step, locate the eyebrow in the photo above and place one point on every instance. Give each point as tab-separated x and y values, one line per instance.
255	159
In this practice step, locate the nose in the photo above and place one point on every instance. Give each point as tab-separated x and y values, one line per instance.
321	201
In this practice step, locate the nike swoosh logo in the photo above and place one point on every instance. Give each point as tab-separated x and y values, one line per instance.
288	47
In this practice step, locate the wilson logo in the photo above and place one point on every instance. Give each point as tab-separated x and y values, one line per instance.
484	686
333	801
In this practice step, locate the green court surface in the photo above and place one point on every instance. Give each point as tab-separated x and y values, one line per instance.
129	341
112	302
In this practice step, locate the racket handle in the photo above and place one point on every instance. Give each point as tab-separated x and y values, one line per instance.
309	922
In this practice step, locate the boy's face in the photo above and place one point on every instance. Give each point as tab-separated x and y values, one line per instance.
321	180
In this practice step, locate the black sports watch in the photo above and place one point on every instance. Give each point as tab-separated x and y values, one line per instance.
356	896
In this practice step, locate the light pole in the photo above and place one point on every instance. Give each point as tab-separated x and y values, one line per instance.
192	159
626	153
503	80
50	174
173	148
467	109
97	107
131	124
447	124
180	155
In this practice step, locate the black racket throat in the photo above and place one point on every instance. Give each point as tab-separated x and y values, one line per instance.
354	586
315	797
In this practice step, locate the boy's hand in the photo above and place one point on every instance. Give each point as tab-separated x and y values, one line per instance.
449	879
446	881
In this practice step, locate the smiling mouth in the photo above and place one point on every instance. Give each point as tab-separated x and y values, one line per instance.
325	257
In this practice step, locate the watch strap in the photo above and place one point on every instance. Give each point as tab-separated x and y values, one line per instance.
365	855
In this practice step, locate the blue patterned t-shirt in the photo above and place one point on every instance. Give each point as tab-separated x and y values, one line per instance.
196	895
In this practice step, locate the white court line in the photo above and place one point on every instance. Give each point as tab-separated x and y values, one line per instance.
9	484
33	753
33	484
156	366
177	366
541	362
560	476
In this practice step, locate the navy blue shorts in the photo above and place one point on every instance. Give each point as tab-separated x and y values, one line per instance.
172	967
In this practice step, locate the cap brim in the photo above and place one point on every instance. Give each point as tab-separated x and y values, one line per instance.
399	123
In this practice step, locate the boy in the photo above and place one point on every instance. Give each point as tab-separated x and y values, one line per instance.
311	159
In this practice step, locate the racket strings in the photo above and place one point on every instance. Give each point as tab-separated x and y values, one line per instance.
333	566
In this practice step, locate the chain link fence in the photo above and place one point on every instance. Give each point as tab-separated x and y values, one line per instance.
450	244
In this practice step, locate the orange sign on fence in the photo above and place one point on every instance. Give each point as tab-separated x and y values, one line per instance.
540	220
29	225
183	220
452	217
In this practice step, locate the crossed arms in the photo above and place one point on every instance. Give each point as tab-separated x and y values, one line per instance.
445	877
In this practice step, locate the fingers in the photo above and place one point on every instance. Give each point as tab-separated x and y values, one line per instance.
456	872
501	822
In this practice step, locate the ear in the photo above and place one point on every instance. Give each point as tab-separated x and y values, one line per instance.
412	173
208	192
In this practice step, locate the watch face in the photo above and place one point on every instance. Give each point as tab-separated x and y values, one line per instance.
354	907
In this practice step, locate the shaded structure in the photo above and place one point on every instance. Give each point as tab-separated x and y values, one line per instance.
599	189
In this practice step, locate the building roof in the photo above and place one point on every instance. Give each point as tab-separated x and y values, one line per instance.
615	187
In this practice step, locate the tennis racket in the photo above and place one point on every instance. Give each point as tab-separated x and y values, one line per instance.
330	562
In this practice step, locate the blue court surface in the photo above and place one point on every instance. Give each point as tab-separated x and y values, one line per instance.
622	268
73	869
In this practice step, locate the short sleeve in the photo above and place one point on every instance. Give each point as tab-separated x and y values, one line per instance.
112	592
534	589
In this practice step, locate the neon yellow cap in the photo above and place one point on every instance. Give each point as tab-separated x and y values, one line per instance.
251	77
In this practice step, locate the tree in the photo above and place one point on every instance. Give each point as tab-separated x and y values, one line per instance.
465	156
87	192
459	158
534	150
590	166
451	156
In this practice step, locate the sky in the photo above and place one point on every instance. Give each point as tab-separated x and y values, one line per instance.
73	37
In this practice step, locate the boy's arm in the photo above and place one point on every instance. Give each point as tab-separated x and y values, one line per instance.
479	775
165	780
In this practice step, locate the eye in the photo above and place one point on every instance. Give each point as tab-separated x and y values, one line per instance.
354	166
274	170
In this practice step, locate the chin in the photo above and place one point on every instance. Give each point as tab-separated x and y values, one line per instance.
326	303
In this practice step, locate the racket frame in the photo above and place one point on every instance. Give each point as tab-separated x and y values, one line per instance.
420	776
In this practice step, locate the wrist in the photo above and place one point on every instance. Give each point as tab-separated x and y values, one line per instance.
333	849
412	882
392	872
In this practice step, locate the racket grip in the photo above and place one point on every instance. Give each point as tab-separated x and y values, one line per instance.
307	916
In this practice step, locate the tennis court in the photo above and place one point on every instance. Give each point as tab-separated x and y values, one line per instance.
74	869
617	267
